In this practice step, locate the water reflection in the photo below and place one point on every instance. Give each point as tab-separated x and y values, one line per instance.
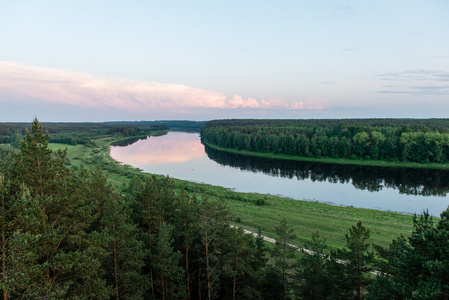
127	142
407	181
181	155
170	148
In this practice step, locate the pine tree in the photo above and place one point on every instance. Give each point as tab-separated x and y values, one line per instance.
358	257
242	264
417	268
170	273
147	212
16	211
285	234
58	230
186	222
213	219
126	260
99	192
313	277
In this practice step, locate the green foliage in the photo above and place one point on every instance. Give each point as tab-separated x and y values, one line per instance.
313	277
283	251
126	259
67	235
168	272
420	141
45	243
417	268
358	258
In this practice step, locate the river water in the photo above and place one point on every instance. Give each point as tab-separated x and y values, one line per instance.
181	155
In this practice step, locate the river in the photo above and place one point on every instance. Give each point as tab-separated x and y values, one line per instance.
181	155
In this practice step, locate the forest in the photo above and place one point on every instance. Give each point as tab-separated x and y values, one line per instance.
67	233
394	140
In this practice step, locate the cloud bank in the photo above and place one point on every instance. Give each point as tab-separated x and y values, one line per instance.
30	84
417	82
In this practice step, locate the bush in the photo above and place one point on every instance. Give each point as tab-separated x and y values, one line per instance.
260	202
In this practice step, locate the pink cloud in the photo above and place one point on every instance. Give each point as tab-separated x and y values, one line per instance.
20	82
316	104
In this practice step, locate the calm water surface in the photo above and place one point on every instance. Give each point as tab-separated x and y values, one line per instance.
181	155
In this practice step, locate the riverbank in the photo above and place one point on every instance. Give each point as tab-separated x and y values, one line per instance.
330	160
252	210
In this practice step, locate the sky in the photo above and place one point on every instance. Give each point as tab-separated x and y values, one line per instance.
79	61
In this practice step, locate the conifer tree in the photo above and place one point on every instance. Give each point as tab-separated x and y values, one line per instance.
260	247
213	219
285	234
126	260
59	229
313	277
147	212
17	208
99	192
241	265
169	281
417	267
186	222
358	257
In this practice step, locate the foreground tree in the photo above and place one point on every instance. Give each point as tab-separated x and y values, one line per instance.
126	259
313	277
417	268
285	235
186	226
358	258
170	274
213	222
49	245
16	207
242	265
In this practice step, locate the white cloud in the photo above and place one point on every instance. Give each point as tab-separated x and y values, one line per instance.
24	83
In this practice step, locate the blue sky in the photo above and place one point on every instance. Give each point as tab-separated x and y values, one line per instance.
199	60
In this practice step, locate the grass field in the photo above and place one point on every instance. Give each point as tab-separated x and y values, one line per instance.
305	217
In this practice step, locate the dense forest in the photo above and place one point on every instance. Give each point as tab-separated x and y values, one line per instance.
68	234
76	133
395	140
82	133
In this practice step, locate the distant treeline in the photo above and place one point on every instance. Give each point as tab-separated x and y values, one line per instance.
81	133
77	133
414	140
180	125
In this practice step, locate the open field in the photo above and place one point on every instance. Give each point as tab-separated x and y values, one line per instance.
304	216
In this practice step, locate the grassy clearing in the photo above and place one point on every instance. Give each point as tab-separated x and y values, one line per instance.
305	217
340	161
86	156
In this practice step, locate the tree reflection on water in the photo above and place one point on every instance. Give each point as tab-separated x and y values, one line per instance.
423	182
